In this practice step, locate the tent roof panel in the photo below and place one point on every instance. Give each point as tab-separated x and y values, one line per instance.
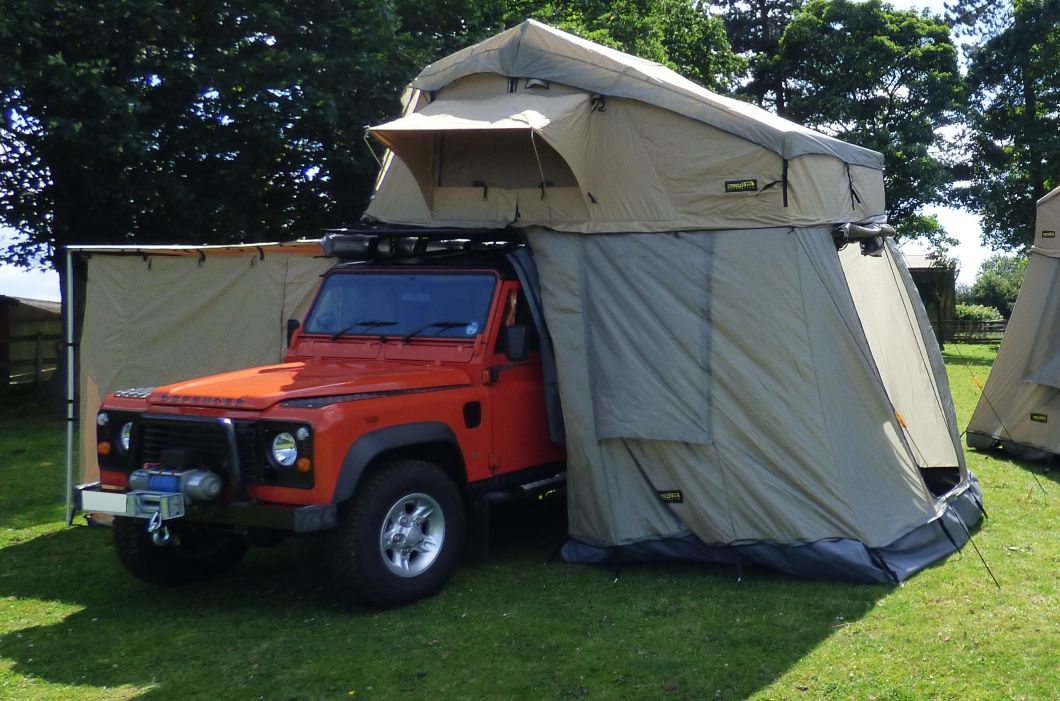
535	50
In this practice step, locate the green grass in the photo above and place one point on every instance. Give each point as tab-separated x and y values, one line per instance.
74	625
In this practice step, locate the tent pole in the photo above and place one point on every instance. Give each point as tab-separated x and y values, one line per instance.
68	301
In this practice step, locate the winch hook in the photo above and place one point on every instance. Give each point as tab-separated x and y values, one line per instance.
160	534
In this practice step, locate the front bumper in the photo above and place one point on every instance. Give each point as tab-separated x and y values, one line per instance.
140	504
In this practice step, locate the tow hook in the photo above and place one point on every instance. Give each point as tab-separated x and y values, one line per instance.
160	534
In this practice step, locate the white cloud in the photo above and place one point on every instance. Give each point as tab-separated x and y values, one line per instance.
18	282
34	284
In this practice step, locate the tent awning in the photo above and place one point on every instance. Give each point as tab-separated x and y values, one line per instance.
517	111
514	141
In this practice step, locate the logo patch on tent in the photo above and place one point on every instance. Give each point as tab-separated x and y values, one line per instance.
750	185
672	497
1040	418
1048	234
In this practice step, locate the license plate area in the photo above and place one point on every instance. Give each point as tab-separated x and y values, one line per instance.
137	504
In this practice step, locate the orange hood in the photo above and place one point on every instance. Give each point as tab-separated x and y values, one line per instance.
259	388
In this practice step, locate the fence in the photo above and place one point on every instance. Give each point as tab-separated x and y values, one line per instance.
32	359
968	331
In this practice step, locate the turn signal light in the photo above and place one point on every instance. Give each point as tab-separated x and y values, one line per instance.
304	464
103	448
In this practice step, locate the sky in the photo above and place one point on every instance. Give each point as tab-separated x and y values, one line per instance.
964	226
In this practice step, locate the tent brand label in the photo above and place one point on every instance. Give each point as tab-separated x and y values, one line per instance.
741	185
672	497
1040	418
1048	234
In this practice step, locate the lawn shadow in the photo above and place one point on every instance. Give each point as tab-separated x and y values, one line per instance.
31	472
512	626
1047	469
969	355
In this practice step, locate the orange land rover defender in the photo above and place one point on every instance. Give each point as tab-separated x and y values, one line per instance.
411	398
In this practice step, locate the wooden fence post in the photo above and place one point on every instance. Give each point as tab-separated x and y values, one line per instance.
38	377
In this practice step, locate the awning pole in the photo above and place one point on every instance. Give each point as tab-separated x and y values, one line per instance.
68	307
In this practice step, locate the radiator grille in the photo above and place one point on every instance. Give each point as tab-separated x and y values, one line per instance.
211	442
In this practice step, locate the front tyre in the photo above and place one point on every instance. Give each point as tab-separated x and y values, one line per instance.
194	552
399	539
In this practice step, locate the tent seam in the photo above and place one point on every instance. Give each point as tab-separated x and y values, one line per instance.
817	384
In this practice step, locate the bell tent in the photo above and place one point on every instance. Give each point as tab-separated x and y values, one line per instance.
737	383
1020	405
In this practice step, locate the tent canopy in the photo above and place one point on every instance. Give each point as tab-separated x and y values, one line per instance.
537	127
536	50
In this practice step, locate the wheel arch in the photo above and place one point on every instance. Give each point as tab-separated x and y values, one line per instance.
432	441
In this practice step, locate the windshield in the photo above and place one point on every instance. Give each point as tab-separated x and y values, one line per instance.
420	305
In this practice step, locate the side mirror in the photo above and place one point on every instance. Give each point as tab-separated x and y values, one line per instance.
292	326
516	343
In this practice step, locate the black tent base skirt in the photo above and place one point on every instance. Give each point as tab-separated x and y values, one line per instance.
836	559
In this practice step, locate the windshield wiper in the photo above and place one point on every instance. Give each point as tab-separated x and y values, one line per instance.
367	323
437	325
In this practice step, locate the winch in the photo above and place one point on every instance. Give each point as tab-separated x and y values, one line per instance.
195	485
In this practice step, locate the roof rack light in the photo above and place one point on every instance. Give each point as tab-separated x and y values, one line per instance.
374	244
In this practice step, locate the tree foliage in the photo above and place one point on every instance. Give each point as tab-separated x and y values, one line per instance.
976	312
192	121
185	121
1014	79
882	78
681	34
998	282
755	28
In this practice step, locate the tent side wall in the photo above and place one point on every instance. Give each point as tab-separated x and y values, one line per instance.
793	450
905	353
175	317
1025	377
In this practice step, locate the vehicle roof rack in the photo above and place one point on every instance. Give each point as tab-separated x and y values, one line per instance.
364	244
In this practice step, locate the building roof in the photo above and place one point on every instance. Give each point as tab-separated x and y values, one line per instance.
46	305
921	261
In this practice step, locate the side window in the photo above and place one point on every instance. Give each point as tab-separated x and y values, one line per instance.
521	317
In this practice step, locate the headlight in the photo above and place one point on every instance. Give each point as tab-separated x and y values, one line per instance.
102	419
284	449
125	437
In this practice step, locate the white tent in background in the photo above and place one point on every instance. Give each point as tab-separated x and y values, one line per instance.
737	385
1020	405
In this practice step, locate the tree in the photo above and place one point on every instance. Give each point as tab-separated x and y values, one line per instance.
1014	77
681	34
998	282
190	121
755	28
882	78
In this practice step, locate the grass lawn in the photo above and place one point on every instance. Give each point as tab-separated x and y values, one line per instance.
74	625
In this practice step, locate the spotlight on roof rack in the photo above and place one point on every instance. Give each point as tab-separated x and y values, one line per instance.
350	246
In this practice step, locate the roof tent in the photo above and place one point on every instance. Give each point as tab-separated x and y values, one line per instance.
1020	405
737	383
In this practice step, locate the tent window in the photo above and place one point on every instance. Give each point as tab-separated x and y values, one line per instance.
646	299
503	159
